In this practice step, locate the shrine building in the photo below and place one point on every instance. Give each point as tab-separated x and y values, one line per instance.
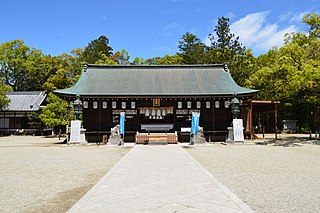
158	98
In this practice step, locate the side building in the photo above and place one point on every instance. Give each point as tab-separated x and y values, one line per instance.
157	98
15	117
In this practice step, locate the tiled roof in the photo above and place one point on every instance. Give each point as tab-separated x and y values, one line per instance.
25	101
155	80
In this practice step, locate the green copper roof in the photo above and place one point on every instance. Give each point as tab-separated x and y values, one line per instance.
154	80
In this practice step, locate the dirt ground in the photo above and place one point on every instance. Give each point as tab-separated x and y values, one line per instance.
41	174
274	176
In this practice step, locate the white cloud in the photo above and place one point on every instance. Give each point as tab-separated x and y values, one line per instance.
163	49
230	15
292	17
172	29
169	29
277	39
255	33
297	17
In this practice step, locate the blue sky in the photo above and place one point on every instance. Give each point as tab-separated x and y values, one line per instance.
148	28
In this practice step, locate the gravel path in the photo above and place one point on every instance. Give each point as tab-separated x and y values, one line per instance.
39	175
268	178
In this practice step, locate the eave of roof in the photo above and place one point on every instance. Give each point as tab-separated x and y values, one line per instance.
155	80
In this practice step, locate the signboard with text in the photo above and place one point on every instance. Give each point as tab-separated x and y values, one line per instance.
238	130
75	131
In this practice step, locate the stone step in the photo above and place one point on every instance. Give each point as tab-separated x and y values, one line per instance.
157	143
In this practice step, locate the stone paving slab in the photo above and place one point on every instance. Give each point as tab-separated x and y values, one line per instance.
159	179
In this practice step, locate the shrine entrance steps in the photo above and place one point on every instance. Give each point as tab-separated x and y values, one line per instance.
156	138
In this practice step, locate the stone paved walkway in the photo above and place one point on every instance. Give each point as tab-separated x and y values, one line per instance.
159	179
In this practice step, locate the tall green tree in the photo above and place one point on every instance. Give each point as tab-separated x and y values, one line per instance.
18	65
63	71
313	20
55	112
120	57
225	39
4	100
291	74
92	53
192	50
226	48
21	67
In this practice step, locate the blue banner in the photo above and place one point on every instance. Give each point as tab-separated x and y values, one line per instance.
193	131
122	116
195	123
197	118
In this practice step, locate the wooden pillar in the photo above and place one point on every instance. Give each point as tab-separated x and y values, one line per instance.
213	118
174	114
99	113
276	120
248	121
263	126
251	120
14	120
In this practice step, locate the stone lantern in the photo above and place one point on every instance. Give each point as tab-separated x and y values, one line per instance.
77	106
235	107
235	131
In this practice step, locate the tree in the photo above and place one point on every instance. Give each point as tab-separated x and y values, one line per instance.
55	112
34	120
225	47
226	39
106	60
12	57
4	100
313	20
152	61
63	71
120	57
165	60
138	61
23	68
92	53
291	74
191	49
